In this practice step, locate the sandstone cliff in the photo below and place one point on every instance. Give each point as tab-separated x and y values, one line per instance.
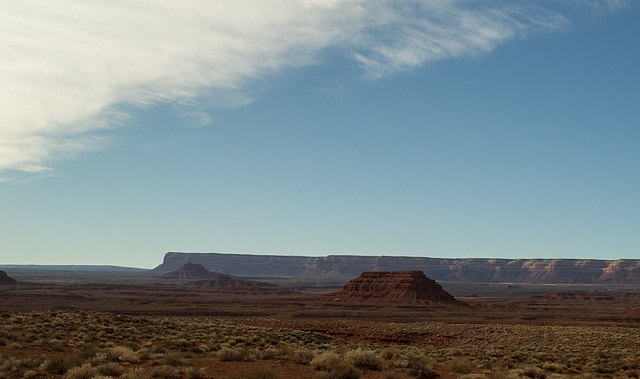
441	269
394	287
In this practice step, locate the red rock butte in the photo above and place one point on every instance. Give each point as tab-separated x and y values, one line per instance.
4	279
395	287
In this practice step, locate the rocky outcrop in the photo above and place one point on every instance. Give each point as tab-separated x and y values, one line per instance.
394	287
219	281
5	279
441	269
190	271
229	284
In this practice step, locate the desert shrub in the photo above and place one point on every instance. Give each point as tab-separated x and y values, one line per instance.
32	374
257	373
551	366
86	371
110	369
391	374
461	366
173	359
137	373
364	359
269	353
420	367
194	373
166	372
534	372
325	361
342	370
230	355
122	353
390	353
58	365
87	351
503	365
143	354
52	345
303	356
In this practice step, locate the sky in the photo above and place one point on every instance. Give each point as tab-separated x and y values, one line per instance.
435	128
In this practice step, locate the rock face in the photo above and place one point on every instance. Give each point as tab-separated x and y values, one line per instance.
4	279
625	271
190	271
394	287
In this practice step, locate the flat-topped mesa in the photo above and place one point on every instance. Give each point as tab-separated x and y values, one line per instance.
5	279
190	271
395	287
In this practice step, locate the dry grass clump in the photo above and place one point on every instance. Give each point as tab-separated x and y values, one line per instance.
122	354
227	354
420	366
364	358
303	356
86	371
461	366
342	370
325	361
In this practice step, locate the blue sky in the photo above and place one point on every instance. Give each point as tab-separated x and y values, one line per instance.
433	128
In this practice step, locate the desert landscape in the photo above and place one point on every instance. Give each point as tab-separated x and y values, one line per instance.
325	320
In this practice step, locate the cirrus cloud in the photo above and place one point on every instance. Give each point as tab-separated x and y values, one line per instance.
70	67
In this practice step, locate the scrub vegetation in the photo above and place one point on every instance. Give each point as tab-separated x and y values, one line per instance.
78	344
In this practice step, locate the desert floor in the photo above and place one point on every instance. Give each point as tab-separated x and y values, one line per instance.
82	325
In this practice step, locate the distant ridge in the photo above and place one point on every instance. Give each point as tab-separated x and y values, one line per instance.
72	267
623	271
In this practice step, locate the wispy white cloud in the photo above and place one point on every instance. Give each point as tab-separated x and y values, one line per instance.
70	66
